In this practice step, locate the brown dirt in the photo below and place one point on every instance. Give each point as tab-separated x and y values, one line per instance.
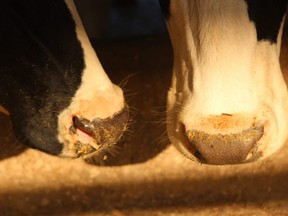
149	177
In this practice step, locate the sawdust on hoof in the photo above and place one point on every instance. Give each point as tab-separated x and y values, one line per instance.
98	139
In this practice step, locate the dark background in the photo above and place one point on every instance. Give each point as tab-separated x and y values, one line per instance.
121	18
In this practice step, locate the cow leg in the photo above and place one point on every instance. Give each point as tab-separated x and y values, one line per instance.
98	113
228	100
58	95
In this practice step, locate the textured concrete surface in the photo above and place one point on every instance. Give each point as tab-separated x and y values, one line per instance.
148	176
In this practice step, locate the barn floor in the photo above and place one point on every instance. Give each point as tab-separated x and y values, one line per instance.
148	177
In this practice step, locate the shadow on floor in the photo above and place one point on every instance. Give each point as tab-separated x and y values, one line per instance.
181	193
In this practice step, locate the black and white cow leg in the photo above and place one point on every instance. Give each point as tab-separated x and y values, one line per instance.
98	110
228	102
58	96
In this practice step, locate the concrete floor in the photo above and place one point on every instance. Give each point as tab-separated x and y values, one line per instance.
148	177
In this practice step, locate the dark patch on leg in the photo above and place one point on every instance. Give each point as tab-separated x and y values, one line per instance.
165	5
41	63
267	16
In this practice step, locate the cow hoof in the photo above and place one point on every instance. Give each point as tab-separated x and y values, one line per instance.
97	138
220	149
224	139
